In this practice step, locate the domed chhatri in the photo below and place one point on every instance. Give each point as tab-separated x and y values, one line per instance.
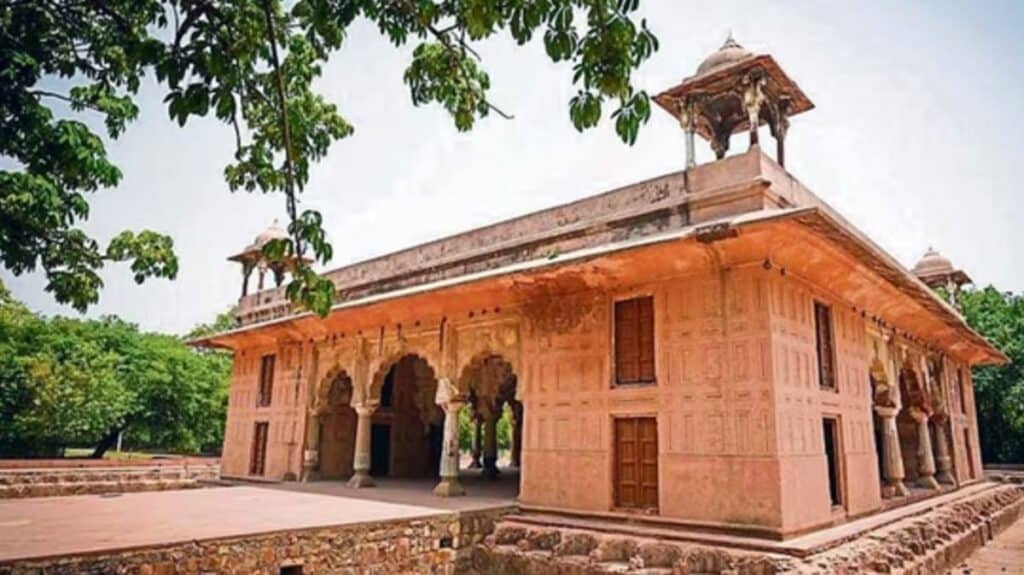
734	90
933	263
936	271
274	232
730	53
252	259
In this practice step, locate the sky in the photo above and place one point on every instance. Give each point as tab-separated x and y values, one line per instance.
916	138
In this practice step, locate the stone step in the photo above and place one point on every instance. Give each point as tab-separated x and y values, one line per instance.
94	488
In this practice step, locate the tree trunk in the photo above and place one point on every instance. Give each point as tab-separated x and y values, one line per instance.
109	440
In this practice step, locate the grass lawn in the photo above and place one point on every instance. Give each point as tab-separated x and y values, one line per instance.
82	452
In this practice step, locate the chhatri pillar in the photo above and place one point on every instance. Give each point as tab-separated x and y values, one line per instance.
452	403
734	91
361	459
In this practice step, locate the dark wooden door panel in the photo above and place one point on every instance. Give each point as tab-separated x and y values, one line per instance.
258	456
636	462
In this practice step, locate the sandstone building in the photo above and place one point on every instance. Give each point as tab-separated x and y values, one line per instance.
715	347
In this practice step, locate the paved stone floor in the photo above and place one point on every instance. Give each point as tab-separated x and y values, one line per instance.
53	526
1004	555
481	493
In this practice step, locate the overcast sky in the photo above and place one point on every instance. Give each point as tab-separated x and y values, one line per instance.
917	138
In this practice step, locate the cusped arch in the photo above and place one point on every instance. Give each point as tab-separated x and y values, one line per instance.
330	386
382	367
502	383
479	342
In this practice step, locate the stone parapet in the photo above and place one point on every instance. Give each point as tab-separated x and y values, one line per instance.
50	482
425	546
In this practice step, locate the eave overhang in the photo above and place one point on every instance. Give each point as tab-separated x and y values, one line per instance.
889	279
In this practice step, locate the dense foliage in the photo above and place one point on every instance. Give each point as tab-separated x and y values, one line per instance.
252	65
999	391
68	382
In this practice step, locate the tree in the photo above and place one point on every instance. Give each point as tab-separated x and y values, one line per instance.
67	382
57	388
251	64
999	390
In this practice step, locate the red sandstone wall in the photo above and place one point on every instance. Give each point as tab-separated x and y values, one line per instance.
802	403
286	413
716	432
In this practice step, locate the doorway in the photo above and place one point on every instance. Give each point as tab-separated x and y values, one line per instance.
636	463
380	455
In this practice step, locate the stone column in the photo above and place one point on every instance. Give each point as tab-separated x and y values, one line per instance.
477	444
450	485
892	456
943	460
361	460
491	443
517	434
925	457
311	456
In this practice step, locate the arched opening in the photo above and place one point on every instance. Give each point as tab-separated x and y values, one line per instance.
492	423
337	429
407	427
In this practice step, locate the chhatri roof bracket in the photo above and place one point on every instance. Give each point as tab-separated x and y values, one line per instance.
734	90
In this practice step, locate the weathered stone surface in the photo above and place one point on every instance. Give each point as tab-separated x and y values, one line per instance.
438	545
932	542
51	482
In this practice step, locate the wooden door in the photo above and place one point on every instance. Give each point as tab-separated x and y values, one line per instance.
258	457
636	462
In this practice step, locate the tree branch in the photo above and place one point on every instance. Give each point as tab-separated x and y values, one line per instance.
286	133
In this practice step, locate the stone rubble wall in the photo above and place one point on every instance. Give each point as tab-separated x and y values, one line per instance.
50	482
428	546
934	542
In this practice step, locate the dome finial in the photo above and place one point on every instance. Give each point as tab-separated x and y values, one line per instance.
730	41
